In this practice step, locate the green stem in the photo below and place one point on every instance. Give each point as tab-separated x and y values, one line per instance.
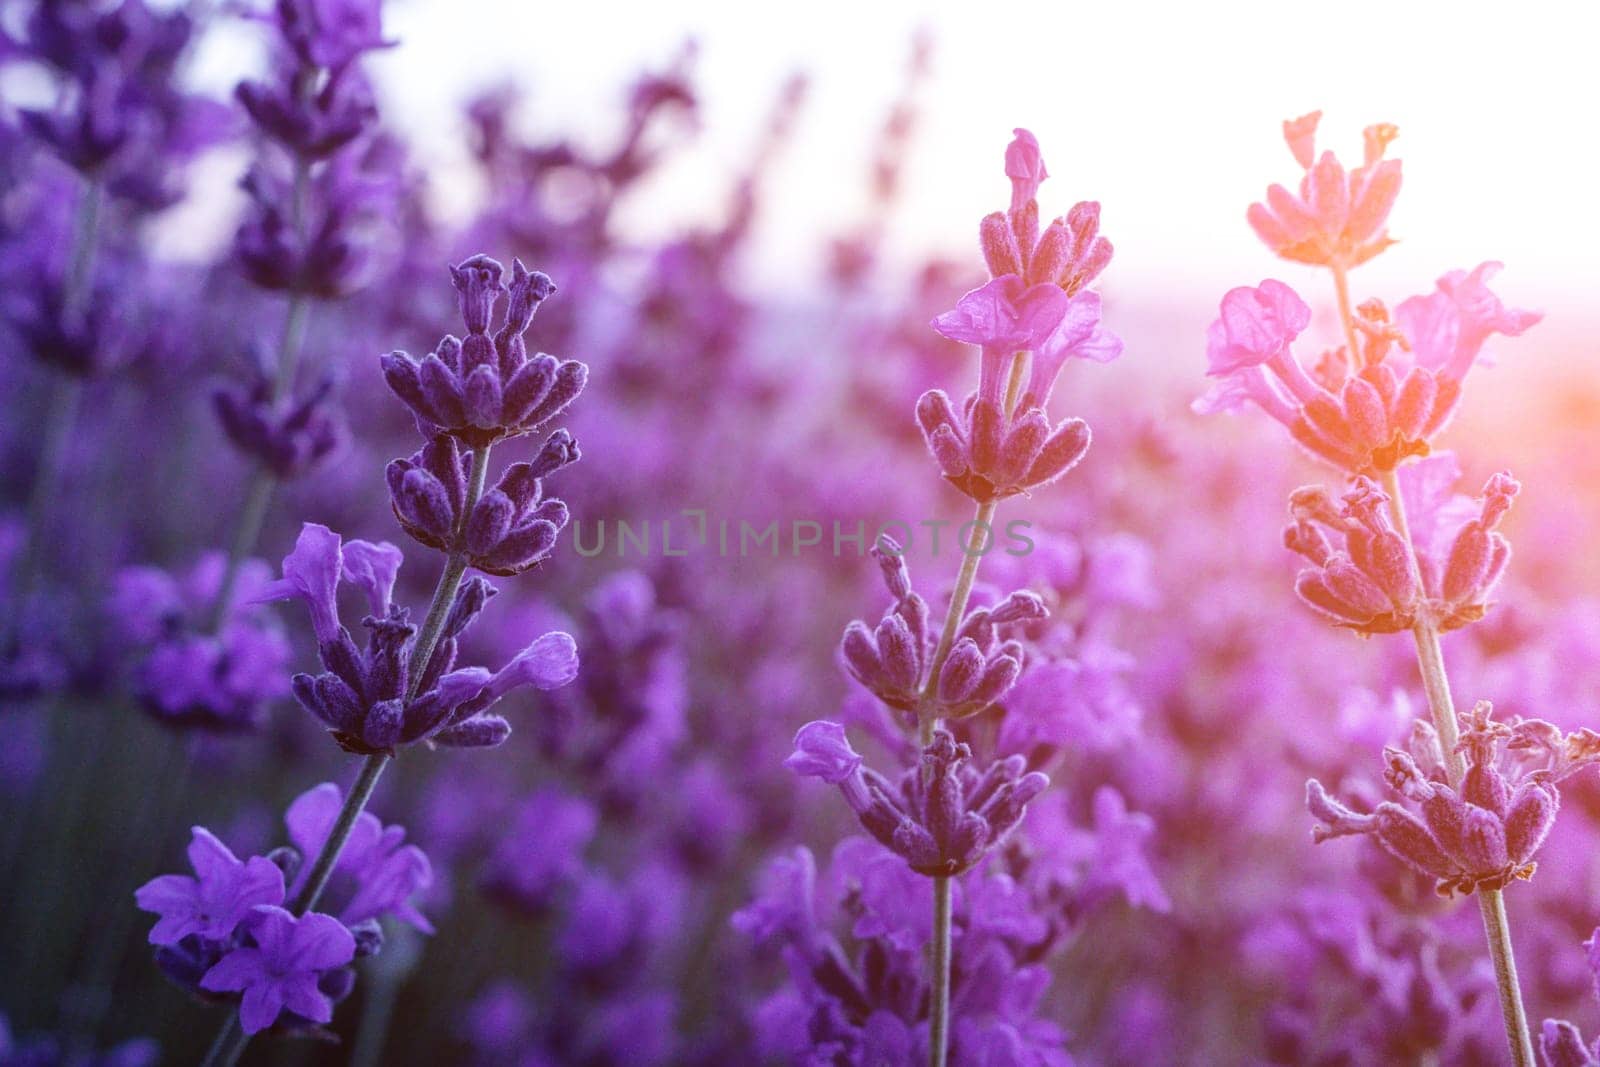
927	723
229	1044
1441	708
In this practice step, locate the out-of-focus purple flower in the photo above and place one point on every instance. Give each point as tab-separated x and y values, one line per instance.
348	198
541	851
216	900
122	115
196	668
281	967
288	439
311	125
331	33
47	1051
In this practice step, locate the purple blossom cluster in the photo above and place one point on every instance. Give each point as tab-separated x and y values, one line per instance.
1070	774
224	933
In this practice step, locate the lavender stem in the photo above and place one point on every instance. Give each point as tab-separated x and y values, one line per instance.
66	393
262	484
228	1046
939	956
1441	707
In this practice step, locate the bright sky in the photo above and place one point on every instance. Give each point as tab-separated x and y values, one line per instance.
1167	113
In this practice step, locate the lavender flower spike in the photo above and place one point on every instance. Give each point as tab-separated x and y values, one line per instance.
482	389
376	699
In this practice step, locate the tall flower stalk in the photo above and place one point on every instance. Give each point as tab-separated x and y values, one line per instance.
304	237
405	687
945	815
1373	408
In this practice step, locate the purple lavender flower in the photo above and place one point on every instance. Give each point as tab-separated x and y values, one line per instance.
482	389
378	874
541	851
225	930
281	965
195	668
513	526
1484	835
944	816
311	125
362	695
47	1051
998	445
216	900
287	439
892	659
350	196
331	33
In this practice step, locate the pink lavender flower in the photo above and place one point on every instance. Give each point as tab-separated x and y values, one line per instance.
223	891
1069	254
1338	217
1407	379
281	969
1447	328
1484	835
999	446
944	816
1372	586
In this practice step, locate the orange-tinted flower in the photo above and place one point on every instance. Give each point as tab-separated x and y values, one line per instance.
1338	217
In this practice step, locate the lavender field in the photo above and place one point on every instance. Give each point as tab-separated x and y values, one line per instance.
529	542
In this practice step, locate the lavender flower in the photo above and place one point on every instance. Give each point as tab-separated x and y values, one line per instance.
482	389
280	966
212	904
513	526
369	698
1374	586
892	659
194	668
1484	835
943	817
1002	442
226	931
